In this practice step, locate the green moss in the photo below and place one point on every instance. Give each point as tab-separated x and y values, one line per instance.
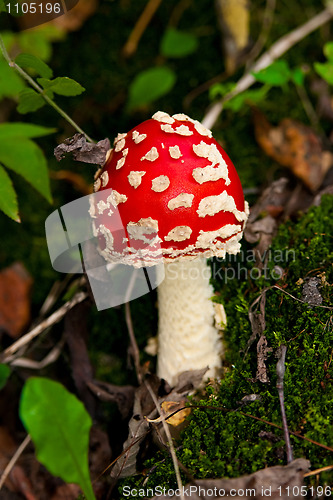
221	439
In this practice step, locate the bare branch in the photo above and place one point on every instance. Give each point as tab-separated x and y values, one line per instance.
274	52
51	320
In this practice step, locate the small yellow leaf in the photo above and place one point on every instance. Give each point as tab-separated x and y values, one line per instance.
178	418
169	407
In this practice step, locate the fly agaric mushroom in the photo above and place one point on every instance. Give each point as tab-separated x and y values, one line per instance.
180	199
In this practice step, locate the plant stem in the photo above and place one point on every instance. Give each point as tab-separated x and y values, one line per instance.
169	438
39	89
13	460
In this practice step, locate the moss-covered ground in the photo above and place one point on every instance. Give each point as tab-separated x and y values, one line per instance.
222	439
219	440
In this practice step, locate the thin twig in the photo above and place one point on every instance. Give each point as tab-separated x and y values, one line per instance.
40	90
56	290
318	471
14	459
299	300
132	43
267	422
274	52
51	357
280	370
168	435
51	320
134	345
308	107
263	35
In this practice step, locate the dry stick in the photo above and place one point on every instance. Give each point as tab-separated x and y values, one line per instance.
134	345
329	448
263	35
171	446
299	300
141	24
56	290
318	471
308	107
51	357
14	459
276	50
51	320
129	323
280	369
266	26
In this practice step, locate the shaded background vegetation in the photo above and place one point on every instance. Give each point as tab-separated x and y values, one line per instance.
92	55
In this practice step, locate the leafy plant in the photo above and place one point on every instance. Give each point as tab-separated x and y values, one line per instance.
325	70
22	155
17	151
176	43
278	74
59	427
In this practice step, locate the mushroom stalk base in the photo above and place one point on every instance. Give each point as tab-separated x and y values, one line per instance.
187	339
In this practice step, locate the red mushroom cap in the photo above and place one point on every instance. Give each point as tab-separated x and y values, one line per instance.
176	190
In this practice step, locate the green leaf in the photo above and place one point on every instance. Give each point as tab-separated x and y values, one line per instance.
8	204
34	42
4	373
278	73
149	85
62	85
30	61
297	76
325	70
177	43
29	101
218	90
328	51
59	427
10	83
253	96
27	159
25	130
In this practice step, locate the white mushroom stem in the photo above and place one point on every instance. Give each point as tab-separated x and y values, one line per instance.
187	339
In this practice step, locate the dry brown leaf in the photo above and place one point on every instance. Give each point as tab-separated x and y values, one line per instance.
296	146
277	203
138	427
144	410
170	407
82	150
15	287
272	482
261	225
